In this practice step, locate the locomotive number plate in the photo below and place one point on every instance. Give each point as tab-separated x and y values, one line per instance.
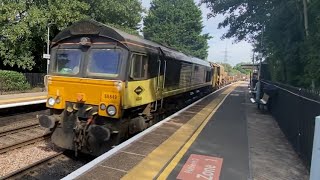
110	96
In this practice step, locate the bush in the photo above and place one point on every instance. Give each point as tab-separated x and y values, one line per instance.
13	81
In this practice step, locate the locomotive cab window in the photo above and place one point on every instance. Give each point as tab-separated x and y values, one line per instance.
68	61
208	75
104	62
139	67
196	68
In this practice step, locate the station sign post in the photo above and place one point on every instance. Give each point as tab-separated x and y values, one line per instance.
47	56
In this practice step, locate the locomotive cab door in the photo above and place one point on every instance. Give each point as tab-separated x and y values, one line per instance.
162	72
161	75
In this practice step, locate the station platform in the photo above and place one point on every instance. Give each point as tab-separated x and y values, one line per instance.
22	99
224	136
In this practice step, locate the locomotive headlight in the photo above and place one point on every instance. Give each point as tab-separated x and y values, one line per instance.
51	101
103	107
58	100
111	110
85	41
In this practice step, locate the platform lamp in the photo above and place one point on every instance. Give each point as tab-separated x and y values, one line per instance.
47	56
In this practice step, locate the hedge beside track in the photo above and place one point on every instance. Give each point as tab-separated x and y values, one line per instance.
13	81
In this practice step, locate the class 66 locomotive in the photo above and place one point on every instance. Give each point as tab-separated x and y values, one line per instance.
105	85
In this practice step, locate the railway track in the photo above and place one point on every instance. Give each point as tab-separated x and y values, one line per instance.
28	169
21	128
13	138
19	118
15	130
55	166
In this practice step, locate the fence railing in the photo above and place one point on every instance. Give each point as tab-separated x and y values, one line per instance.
295	110
312	94
35	79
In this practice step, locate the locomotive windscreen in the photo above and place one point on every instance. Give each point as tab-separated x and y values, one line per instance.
94	62
103	62
68	61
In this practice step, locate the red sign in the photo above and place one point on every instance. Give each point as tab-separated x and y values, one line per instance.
201	167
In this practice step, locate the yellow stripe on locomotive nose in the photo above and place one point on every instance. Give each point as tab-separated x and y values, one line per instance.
85	90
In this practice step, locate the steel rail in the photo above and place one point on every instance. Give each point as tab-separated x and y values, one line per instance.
25	170
19	129
24	143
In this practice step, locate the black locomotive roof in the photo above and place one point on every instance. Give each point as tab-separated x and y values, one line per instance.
134	43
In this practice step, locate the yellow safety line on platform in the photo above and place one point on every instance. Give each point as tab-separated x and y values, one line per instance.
166	172
153	164
25	99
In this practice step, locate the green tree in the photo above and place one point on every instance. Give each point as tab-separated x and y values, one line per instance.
23	27
310	48
23	24
178	24
124	14
277	30
240	69
227	67
236	70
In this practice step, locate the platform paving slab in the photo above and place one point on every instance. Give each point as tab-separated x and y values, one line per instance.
271	155
249	141
23	97
224	136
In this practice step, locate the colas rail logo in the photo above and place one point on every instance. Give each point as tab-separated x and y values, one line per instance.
139	90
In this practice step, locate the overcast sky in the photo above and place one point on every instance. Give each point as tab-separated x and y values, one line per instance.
240	52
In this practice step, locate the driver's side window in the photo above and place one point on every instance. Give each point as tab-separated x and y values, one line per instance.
139	66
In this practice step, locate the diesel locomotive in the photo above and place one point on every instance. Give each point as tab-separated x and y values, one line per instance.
105	85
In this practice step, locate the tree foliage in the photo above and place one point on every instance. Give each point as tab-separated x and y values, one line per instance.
276	29
178	24
239	68
23	24
227	67
125	13
236	70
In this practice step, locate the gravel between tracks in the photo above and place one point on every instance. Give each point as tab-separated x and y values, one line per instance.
19	158
20	124
7	119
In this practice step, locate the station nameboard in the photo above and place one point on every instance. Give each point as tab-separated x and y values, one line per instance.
46	56
249	66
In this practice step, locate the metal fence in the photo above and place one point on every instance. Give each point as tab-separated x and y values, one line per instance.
35	79
295	110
